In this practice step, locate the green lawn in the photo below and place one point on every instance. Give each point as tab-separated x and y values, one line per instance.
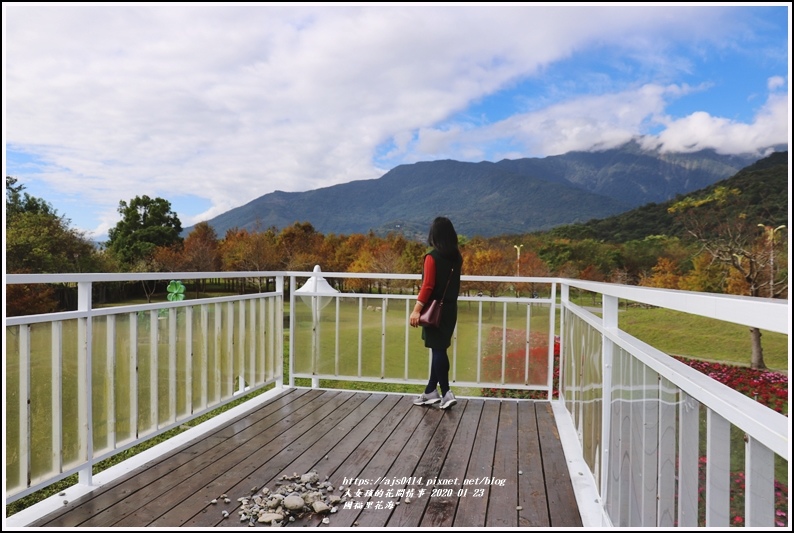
697	337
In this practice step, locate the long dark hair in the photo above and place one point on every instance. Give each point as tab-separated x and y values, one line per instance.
444	238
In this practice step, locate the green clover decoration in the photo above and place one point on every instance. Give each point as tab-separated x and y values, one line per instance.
176	291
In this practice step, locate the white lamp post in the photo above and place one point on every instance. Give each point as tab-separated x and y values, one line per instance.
315	287
518	258
518	263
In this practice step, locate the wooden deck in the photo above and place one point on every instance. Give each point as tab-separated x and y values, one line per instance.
370	437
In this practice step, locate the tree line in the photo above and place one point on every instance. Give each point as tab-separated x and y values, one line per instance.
719	253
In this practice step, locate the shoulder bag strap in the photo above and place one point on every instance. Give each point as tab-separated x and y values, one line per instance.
451	270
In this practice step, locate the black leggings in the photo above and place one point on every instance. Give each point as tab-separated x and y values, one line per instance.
439	372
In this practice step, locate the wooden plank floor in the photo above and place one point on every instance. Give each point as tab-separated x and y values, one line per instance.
497	463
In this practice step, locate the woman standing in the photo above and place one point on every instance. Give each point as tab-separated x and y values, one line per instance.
440	273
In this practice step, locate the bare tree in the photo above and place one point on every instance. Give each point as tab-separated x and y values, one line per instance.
737	242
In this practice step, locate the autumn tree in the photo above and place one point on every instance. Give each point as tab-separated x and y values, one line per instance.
364	262
664	275
166	259
386	256
412	260
201	252
201	249
733	240
483	260
255	251
706	275
331	260
298	246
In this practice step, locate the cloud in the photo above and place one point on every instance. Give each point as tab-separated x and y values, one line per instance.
776	82
701	130
228	103
583	123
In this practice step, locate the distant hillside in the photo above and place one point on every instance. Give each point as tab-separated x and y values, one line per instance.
764	197
487	199
632	175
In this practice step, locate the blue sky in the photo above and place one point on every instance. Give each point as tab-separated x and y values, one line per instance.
213	105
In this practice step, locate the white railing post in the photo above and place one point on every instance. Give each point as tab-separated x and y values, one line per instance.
277	339
609	311
84	396
552	329
25	444
718	469
57	395
565	296
292	289
759	496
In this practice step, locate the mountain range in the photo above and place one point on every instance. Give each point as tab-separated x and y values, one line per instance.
763	198
488	199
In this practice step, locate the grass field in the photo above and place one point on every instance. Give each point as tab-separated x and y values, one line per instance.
697	337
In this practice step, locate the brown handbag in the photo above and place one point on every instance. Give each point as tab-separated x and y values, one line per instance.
430	316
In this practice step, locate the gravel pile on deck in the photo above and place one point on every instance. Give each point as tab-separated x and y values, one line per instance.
296	496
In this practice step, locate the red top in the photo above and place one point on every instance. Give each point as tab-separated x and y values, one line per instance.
428	279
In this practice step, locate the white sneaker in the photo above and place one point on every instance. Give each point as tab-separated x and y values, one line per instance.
427	399
448	400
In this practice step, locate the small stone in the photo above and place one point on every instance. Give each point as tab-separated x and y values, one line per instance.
213	500
326	520
519	508
320	507
65	502
294	503
520	472
224	496
253	489
226	500
407	500
269	518
311	477
62	494
225	513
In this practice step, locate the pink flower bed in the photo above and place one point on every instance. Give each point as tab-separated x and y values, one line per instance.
769	388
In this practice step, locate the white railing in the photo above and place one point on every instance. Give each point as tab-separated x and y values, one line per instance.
643	419
499	342
84	385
